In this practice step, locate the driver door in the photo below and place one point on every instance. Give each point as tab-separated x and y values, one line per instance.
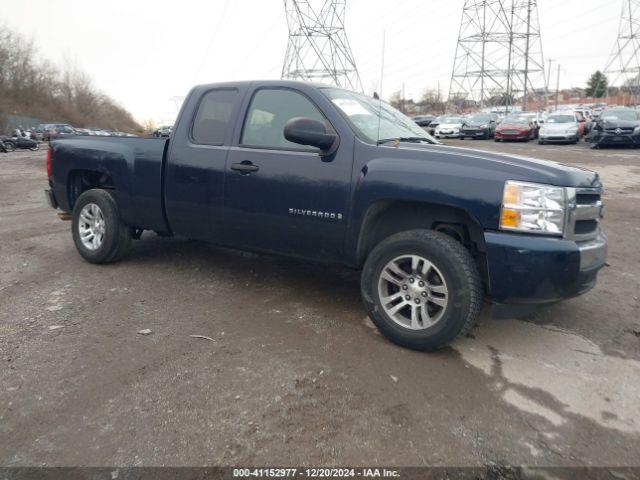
280	196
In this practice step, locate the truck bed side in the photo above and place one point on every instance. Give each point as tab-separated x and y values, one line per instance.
131	167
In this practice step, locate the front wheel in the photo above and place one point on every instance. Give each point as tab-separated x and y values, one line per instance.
422	289
98	232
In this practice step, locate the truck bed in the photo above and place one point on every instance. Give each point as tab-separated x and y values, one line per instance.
132	165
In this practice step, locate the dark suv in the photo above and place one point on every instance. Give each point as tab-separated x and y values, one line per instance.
57	130
616	126
479	125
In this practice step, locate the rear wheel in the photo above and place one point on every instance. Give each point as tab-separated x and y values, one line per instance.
98	232
422	289
9	146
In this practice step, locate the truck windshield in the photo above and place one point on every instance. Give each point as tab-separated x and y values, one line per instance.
363	113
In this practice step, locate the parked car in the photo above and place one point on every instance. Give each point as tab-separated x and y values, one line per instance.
536	119
479	125
38	132
560	126
57	130
326	174
20	143
423	120
515	128
449	127
163	131
431	129
616	126
83	131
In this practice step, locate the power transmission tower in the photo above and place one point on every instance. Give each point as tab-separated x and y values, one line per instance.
318	49
498	58
623	67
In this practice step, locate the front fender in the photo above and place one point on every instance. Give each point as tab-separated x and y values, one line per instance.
467	188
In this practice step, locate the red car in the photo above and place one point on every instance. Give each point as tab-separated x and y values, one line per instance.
515	128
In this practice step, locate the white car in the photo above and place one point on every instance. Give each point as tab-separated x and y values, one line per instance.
449	127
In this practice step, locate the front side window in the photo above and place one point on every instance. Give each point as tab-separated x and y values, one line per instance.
269	112
214	117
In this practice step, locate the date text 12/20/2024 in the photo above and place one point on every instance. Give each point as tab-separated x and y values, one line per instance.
315	472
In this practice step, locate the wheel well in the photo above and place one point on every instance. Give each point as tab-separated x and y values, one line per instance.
83	180
386	218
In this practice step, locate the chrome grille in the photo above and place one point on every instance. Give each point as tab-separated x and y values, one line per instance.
623	130
584	213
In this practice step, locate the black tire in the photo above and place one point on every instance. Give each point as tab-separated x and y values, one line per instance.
35	148
9	146
117	236
540	142
459	271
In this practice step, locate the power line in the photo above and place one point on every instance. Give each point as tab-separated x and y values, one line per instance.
318	49
498	55
623	66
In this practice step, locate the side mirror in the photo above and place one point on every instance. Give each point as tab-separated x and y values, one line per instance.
307	131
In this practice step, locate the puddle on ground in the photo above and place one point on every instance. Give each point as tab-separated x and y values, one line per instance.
552	373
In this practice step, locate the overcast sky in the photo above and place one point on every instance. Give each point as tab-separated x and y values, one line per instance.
147	54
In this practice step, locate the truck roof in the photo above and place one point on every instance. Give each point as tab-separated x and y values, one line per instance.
267	83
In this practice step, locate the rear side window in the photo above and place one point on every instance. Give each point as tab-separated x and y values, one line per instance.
270	110
214	117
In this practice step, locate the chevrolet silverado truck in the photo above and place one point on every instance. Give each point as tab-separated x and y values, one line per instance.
326	174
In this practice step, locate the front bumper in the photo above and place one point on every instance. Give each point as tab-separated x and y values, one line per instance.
526	270
447	134
475	132
612	139
513	136
559	137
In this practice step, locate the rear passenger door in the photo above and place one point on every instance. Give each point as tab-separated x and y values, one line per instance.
194	175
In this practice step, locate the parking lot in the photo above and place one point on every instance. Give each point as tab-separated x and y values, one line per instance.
292	371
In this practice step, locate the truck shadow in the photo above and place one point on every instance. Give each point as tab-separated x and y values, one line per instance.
314	283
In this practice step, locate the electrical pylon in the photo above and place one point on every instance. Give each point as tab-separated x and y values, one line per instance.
623	67
318	49
498	58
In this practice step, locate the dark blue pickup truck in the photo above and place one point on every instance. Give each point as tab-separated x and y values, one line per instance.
326	174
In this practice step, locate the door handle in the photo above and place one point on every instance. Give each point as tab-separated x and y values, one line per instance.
245	167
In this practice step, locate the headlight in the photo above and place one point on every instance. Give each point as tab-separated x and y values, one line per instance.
531	207
636	131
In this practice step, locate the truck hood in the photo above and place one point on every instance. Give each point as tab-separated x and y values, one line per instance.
619	123
497	165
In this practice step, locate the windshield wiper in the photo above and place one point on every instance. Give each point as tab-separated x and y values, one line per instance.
403	139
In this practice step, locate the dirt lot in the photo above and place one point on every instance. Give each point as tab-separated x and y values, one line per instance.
295	373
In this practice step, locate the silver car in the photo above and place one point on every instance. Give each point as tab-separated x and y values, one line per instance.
562	127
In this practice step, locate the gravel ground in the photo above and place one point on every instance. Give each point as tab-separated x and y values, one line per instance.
294	372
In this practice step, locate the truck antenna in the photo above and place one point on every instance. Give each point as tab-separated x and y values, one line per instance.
384	32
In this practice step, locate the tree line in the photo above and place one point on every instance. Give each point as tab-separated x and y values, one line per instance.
37	88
